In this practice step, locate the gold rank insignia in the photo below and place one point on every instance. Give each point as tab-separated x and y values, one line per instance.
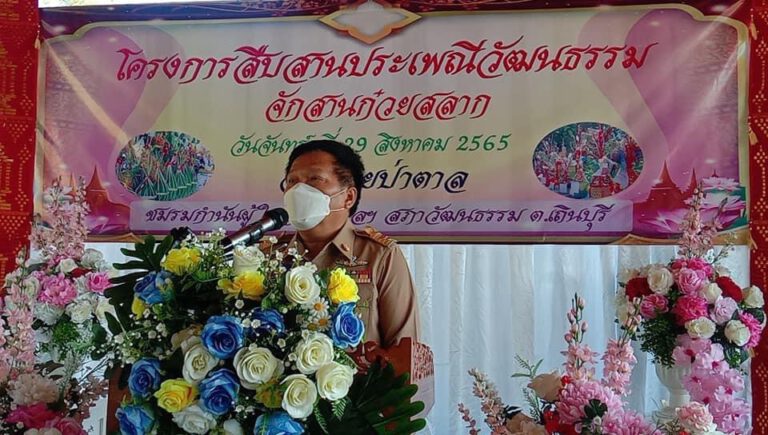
354	262
375	235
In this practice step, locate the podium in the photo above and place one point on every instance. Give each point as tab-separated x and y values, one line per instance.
406	356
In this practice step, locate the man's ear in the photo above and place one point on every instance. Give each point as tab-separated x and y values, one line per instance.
350	198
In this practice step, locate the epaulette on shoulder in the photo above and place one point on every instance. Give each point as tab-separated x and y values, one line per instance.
375	235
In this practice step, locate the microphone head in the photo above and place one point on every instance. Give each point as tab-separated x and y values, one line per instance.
279	215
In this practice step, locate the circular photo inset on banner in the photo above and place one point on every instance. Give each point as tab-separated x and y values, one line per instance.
164	165
587	160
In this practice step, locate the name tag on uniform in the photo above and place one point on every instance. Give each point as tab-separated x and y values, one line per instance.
361	276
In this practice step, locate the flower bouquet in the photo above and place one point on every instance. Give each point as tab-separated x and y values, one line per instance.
574	402
54	347
255	345
693	298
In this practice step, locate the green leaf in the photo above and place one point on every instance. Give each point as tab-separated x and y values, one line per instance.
377	403
339	406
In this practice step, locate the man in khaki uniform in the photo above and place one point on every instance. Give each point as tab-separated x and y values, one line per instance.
323	185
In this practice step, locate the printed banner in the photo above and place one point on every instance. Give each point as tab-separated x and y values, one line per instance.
581	125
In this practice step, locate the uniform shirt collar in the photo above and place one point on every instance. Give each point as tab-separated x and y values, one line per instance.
343	242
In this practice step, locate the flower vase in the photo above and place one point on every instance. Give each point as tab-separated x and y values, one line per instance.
672	379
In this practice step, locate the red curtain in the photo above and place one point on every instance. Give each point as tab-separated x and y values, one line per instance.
758	184
19	26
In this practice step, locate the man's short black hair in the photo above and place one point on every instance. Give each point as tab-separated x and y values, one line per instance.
349	166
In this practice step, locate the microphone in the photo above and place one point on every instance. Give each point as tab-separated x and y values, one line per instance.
272	220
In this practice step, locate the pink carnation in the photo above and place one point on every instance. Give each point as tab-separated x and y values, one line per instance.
31	416
695	417
98	282
57	290
689	308
654	305
697	264
755	329
67	426
723	310
687	349
576	396
627	422
690	281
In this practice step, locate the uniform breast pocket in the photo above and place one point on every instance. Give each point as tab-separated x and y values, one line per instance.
367	300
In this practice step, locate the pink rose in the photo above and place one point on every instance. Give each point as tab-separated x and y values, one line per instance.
98	282
653	305
31	416
755	329
57	290
723	310
690	280
688	308
67	426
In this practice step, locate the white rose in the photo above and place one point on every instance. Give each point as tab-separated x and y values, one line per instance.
334	380
300	284
102	308
626	274
700	328
722	271
256	365
660	279
31	286
194	419
622	306
737	332
711	292
91	258
753	297
299	397
197	363
232	427
313	351
48	313
81	284
247	259
80	310
67	265
186	338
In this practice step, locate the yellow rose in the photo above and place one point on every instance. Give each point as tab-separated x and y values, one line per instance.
175	395
250	284
342	288
137	307
181	260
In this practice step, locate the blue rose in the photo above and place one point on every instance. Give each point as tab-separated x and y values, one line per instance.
218	392
346	328
271	320
223	336
135	420
144	378
277	423
153	288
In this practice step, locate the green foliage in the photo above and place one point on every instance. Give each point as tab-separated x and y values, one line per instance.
146	257
378	403
658	337
595	409
529	372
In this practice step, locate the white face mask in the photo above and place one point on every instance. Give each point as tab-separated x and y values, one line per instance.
307	206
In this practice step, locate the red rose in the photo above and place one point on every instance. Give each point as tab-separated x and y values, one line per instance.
730	289
637	288
78	272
